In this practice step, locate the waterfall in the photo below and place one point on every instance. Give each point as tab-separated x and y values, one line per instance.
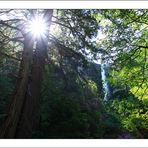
105	82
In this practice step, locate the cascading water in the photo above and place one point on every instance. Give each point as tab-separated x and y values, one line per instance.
105	82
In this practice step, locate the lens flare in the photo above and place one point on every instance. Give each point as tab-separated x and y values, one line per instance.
37	27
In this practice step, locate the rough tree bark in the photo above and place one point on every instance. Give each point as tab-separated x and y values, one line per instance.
30	113
8	128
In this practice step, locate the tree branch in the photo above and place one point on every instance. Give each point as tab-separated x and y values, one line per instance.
9	56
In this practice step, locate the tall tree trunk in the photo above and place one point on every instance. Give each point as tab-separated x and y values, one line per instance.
8	129
30	113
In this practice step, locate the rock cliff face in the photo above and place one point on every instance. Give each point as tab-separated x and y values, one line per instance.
93	71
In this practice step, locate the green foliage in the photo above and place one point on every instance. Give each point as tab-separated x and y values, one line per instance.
92	86
132	114
62	114
68	115
66	120
6	89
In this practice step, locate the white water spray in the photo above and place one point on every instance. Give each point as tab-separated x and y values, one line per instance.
105	82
